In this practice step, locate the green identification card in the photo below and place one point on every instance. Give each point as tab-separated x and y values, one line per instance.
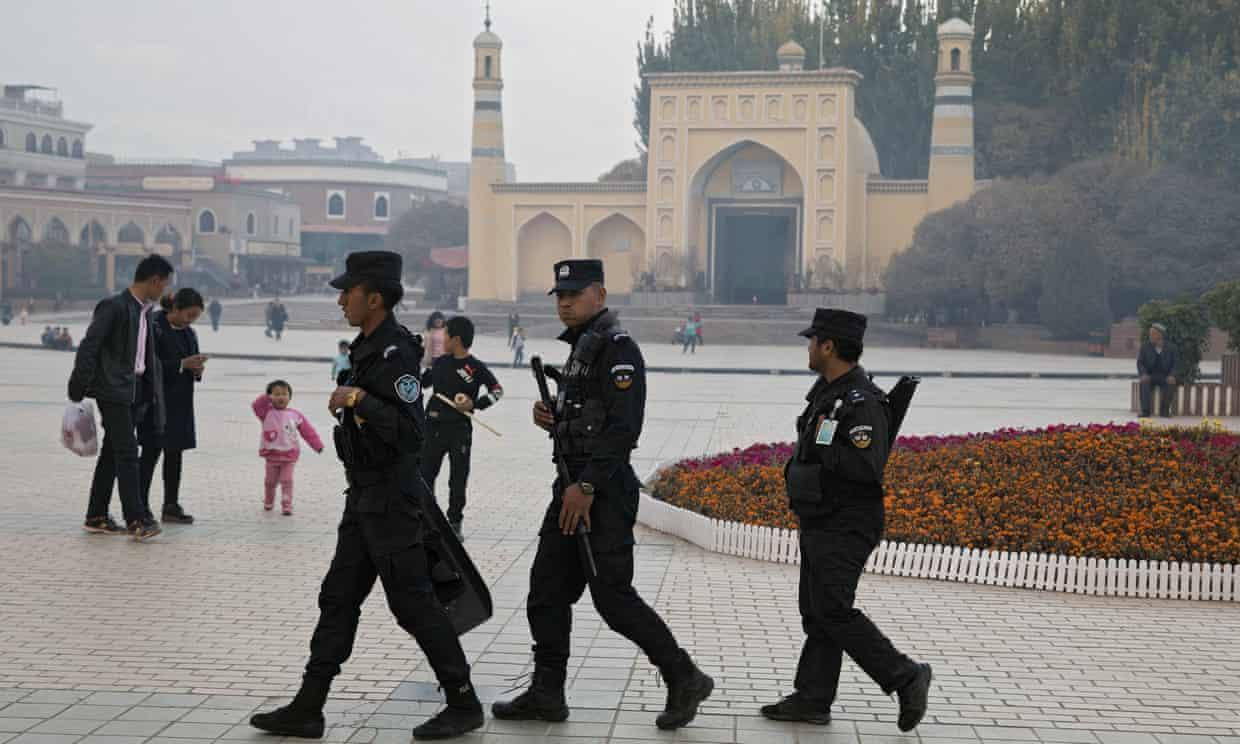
826	431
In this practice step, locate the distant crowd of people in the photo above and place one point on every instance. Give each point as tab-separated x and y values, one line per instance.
56	338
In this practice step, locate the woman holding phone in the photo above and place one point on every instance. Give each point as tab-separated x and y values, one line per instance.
176	345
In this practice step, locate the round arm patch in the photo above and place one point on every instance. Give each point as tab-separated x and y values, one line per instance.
622	376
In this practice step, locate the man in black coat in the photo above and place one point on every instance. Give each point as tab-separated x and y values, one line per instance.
1156	365
835	488
117	365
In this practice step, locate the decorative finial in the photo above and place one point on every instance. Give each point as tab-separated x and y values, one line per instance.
487	22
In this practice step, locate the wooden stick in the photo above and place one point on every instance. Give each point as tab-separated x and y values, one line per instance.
470	414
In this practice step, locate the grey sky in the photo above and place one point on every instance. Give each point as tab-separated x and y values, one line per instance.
202	78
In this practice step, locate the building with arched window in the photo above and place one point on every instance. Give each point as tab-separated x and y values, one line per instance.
761	186
44	149
348	195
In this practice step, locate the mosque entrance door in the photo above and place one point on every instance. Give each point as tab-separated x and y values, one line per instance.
755	254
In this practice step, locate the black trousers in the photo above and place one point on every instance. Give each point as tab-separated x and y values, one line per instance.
385	545
118	463
557	582
454	440
171	473
1158	382
832	559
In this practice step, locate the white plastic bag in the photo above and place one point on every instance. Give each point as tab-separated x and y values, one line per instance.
77	429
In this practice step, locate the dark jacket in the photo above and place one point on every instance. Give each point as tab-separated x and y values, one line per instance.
172	345
1150	362
379	440
103	366
842	446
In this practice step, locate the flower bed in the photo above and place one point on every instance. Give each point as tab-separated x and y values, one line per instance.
1113	491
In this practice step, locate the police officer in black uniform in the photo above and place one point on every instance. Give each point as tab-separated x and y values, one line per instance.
600	408
835	486
382	534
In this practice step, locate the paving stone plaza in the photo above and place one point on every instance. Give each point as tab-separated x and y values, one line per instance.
106	641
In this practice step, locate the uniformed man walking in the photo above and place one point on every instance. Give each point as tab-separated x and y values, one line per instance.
382	532
601	404
835	486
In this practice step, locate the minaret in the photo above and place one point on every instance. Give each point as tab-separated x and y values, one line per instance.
951	139
486	165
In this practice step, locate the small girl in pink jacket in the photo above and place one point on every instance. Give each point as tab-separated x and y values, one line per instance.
280	445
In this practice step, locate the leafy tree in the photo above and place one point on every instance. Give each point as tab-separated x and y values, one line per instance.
1223	302
633	169
1187	327
427	225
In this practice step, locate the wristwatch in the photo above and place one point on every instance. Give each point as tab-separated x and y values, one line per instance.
586	488
351	401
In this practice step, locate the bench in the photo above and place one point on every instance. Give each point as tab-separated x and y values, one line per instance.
1209	399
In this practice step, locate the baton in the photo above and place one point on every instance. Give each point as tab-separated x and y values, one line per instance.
581	532
445	399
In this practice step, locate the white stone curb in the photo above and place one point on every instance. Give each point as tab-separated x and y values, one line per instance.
1108	577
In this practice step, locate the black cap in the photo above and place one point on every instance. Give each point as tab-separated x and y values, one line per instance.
375	266
840	324
575	274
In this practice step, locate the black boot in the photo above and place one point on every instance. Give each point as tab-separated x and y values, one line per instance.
463	714
290	721
174	513
687	687
303	717
797	707
913	698
543	701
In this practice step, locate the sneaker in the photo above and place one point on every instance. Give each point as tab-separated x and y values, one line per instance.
268	506
103	526
287	511
174	513
144	529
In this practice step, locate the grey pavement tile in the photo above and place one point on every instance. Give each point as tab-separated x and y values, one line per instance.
95	739
146	713
1126	737
196	730
18	725
217	715
1067	736
1185	739
116	698
94	712
32	710
32	738
233	702
131	728
174	700
67	697
78	726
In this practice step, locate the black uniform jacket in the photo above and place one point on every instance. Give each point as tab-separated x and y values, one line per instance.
842	446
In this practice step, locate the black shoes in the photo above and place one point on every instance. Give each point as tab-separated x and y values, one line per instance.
463	714
685	692
543	701
103	526
290	721
796	707
141	530
175	514
913	698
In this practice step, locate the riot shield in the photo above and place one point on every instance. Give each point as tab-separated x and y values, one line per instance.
458	584
899	399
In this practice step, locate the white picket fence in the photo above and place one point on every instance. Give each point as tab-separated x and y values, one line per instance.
1058	573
